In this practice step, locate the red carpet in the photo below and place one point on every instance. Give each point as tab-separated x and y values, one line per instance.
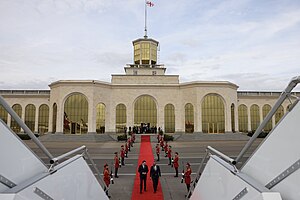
146	154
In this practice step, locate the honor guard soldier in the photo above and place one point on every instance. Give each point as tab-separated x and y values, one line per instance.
126	150
175	163
106	179
117	164
170	155
187	176
157	151
122	154
162	143
166	148
128	143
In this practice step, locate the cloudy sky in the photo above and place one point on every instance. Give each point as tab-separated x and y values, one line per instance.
252	43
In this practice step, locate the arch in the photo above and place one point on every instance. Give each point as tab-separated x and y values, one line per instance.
30	116
145	113
100	118
121	118
189	118
265	110
76	114
3	114
169	118
243	118
213	114
54	118
43	121
279	114
254	117
232	108
14	125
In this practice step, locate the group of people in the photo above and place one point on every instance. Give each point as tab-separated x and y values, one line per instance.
155	172
118	162
143	169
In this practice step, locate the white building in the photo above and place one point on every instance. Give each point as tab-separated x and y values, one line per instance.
144	95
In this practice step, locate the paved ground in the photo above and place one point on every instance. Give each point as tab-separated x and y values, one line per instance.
191	149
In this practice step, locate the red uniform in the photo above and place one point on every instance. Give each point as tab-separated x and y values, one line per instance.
162	142
187	176
169	153
117	163
175	162
157	149
106	177
166	147
122	153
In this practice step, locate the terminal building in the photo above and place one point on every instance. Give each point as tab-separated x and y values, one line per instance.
144	96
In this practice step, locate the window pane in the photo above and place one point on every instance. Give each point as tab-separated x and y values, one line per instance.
189	118
76	114
254	114
3	114
121	117
100	118
169	118
43	119
266	110
213	114
14	126
243	118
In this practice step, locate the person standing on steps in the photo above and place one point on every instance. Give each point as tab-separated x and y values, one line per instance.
157	151
122	154
117	164
106	179
169	154
154	175
143	170
175	163
187	176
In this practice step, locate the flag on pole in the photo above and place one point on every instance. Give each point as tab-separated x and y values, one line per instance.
150	4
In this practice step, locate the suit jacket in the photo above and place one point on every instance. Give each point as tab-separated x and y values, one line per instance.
155	174
143	171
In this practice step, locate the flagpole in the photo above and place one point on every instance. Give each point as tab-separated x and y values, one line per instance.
145	36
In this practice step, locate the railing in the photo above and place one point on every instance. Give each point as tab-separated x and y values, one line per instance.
53	160
209	151
84	151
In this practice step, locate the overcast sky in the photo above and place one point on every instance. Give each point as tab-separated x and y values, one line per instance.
252	43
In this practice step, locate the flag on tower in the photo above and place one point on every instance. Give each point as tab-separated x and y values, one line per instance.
150	4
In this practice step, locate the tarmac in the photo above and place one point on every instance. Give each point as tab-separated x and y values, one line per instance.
191	148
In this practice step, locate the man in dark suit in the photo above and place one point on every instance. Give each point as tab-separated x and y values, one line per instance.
143	170
155	174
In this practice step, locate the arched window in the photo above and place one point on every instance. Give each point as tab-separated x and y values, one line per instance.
266	109
100	118
213	114
189	118
279	114
254	115
145	113
14	125
243	118
30	116
169	118
121	117
43	123
76	114
232	118
3	114
54	118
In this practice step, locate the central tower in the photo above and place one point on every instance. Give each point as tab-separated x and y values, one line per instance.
145	58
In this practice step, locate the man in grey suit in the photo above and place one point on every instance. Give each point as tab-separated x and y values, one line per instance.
155	174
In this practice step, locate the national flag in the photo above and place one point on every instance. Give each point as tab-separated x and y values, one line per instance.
150	4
